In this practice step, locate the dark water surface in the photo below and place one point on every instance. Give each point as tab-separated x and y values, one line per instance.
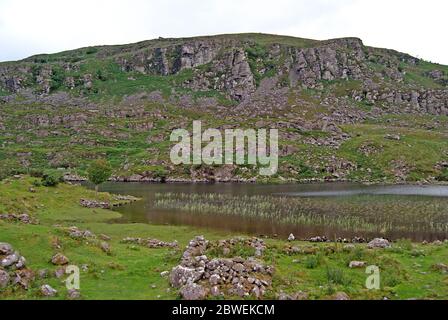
145	212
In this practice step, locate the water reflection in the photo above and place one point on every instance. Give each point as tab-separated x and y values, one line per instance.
145	212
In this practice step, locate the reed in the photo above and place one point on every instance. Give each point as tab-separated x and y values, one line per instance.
361	213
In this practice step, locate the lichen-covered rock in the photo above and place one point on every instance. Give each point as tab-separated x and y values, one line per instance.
180	275
193	291
378	243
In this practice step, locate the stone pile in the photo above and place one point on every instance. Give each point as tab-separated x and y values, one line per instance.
22	218
353	240
198	276
13	268
257	244
338	240
76	233
318	239
150	243
94	204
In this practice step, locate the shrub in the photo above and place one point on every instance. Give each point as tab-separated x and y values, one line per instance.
51	178
98	172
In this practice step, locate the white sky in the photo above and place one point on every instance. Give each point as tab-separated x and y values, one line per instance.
29	27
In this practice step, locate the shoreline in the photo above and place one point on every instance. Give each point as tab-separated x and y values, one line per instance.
254	182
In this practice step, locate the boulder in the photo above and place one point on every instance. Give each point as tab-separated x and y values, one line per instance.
193	291
378	243
291	237
24	278
181	275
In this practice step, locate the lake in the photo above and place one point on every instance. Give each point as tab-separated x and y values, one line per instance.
306	210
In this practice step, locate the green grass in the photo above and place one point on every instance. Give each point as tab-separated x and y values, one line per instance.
131	272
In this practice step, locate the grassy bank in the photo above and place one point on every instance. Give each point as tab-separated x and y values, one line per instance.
133	272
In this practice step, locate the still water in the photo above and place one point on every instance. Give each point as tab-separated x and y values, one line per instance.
402	197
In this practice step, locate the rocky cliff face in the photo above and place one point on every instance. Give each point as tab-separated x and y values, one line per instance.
312	90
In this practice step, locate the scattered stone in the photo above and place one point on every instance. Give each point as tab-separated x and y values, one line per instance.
47	291
318	239
395	137
357	264
21	218
73	294
437	243
21	263
340	296
165	274
59	272
295	296
59	259
105	247
24	278
150	243
10	260
5	248
441	267
291	237
379	243
76	233
42	274
93	204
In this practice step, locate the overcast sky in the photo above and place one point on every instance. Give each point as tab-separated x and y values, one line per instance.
29	27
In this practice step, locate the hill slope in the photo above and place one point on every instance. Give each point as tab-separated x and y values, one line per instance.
344	110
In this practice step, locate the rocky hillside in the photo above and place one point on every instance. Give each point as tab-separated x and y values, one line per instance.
344	111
